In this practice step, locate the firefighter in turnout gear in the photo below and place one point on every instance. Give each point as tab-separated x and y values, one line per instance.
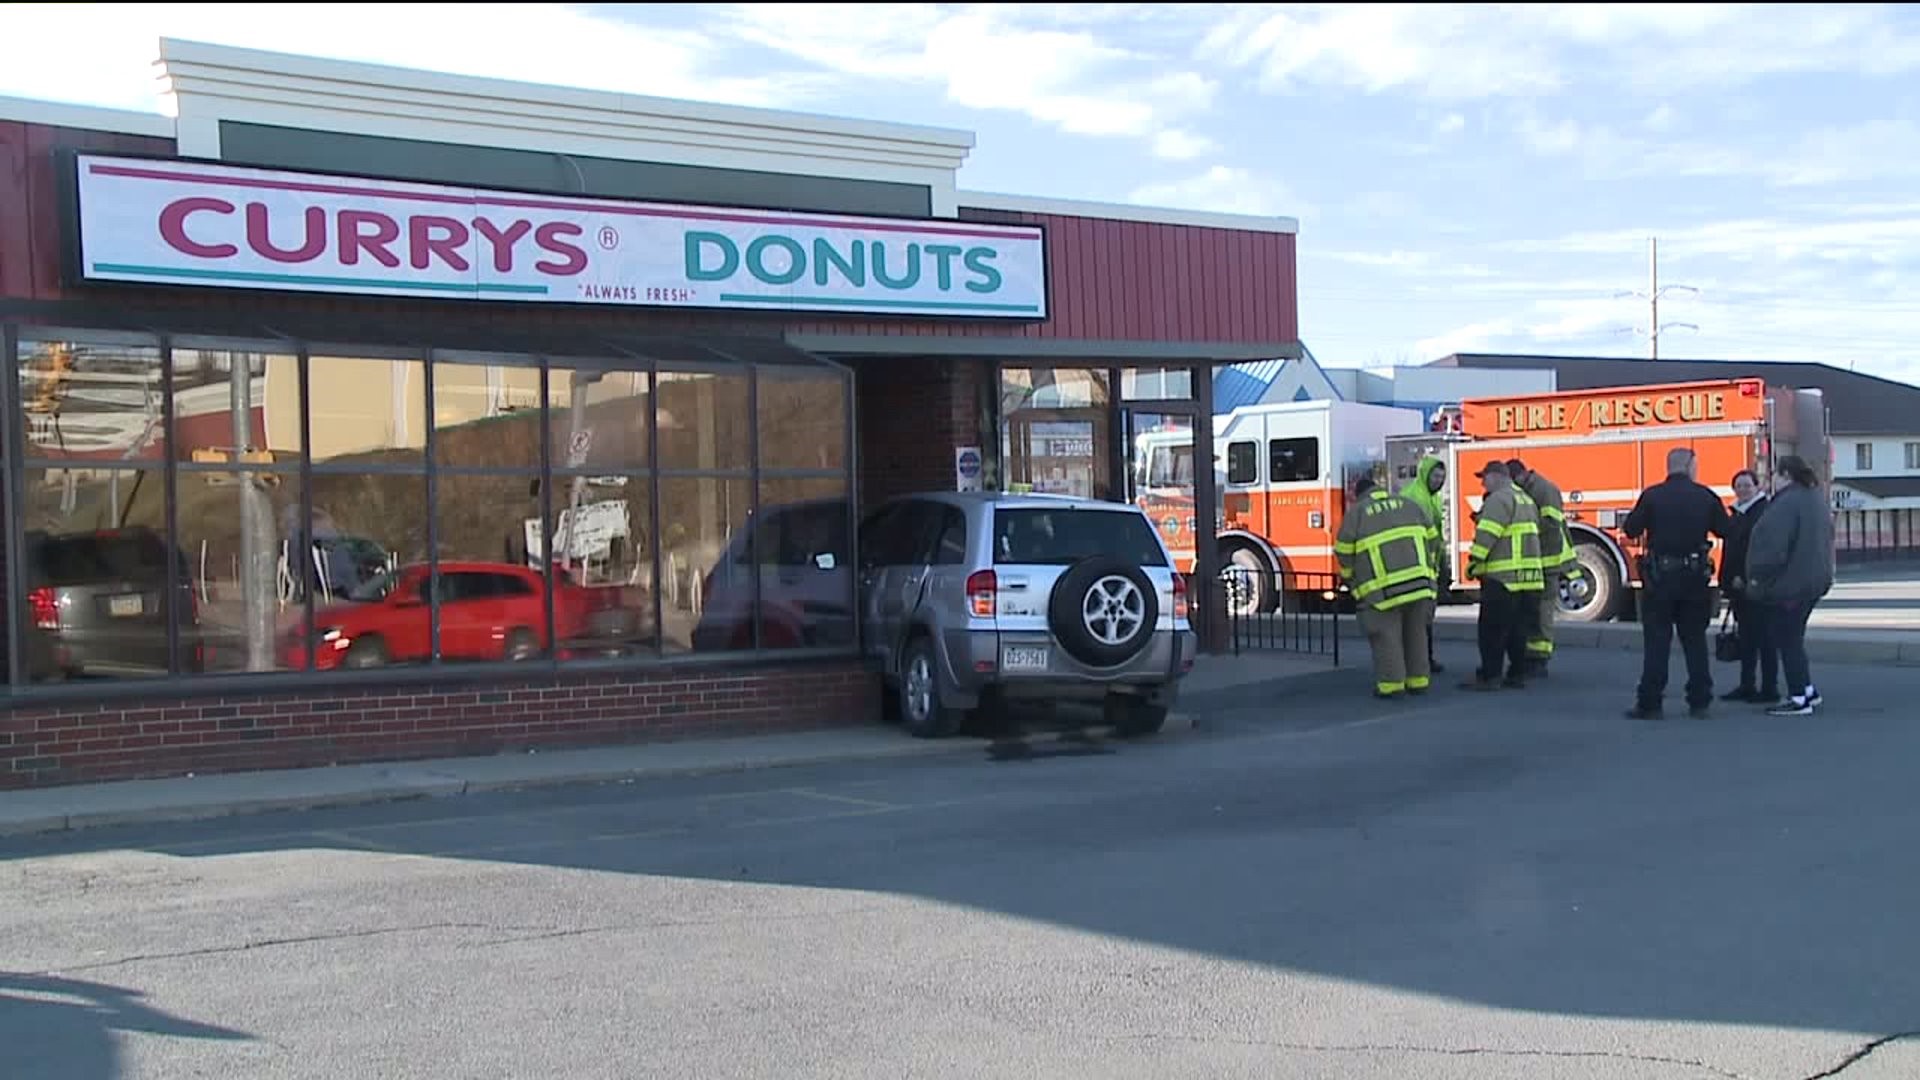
1557	562
1505	559
1385	551
1426	490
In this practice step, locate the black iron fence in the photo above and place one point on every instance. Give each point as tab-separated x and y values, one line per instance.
1285	612
1876	535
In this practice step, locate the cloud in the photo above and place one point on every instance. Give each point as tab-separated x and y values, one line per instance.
1474	337
1450	124
1174	144
1396	259
1469	52
1223	189
1052	67
103	54
1661	119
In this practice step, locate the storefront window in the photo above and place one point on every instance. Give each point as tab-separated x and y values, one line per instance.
470	508
1056	431
1156	384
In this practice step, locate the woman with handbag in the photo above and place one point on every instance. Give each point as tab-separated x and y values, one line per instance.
1752	645
1789	570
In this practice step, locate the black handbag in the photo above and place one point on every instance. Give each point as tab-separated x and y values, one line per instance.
1726	643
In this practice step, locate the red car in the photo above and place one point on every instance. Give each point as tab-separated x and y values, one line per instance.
488	611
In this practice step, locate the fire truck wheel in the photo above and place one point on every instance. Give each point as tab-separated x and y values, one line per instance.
1103	611
1248	580
1595	598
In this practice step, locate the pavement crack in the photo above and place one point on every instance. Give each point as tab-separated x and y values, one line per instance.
1865	1051
266	943
1447	1051
669	924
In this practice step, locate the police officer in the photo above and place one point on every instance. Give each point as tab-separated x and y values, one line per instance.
1676	516
1384	548
1426	490
1557	562
1505	559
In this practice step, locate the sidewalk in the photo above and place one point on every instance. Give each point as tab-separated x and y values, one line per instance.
1825	644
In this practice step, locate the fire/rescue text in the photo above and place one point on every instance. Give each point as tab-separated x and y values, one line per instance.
1646	410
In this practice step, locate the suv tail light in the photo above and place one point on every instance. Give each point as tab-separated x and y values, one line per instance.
46	609
1179	596
982	593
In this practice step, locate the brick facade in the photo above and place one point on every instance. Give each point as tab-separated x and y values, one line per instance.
171	733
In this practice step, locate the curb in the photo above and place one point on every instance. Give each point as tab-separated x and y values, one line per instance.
443	780
1625	637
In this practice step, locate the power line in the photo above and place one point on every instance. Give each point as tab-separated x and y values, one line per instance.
1652	296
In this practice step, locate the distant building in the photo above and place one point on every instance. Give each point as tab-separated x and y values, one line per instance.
1428	389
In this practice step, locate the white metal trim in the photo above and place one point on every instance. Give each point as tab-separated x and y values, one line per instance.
86	117
1156	215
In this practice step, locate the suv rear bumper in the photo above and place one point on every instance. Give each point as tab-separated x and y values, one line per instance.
976	662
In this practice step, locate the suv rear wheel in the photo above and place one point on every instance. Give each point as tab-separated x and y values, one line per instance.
1103	611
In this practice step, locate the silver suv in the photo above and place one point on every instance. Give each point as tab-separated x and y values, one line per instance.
1021	597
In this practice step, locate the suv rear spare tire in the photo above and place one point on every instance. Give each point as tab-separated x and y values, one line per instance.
1103	611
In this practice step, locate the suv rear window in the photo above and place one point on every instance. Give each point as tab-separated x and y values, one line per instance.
1056	537
93	558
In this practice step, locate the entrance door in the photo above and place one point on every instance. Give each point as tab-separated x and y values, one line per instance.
1160	479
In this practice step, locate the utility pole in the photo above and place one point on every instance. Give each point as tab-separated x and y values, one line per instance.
1652	296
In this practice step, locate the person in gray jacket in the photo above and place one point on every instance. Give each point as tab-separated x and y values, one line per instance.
1789	568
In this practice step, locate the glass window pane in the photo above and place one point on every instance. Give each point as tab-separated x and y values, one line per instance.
800	541
803	419
706	578
367	412
492	598
1156	384
206	385
603	558
703	421
1056	432
1293	461
95	573
239	536
369	544
599	419
91	401
486	415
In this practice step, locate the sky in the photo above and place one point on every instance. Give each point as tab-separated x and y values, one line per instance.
1466	177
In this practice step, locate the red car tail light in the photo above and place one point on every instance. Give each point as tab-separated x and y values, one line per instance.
1179	596
983	588
46	609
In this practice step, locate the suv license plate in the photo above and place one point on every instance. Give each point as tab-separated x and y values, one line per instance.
1023	658
124	606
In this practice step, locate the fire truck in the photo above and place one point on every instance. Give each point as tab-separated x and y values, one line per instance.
1603	447
1284	470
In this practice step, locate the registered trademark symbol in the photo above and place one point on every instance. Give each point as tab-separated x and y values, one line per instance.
609	238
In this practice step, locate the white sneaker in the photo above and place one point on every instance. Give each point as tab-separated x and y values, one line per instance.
1795	706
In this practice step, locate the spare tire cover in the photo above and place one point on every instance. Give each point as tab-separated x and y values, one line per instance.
1103	611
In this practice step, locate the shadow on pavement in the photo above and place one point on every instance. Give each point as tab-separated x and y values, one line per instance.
66	1029
1528	851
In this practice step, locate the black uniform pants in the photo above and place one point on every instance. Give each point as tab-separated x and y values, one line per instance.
1506	620
1679	605
1759	656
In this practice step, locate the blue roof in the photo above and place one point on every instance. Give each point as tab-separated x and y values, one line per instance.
1235	385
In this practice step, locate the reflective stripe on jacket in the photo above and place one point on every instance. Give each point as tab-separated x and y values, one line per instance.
1506	545
1384	548
1556	546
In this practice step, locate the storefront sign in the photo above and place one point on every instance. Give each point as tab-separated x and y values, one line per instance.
966	468
185	223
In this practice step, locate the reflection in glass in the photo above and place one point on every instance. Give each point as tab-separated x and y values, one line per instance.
369	544
704	421
603	558
238	533
701	537
236	399
367	411
1056	431
800	543
803	419
486	416
95	566
493	600
599	419
91	401
1156	384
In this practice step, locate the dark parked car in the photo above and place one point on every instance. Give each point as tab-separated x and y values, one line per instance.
96	603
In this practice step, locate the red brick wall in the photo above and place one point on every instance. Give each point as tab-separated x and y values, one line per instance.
169	735
913	412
